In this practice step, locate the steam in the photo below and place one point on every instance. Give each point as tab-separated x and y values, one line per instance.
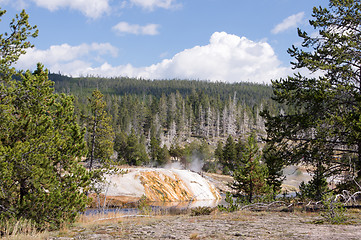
174	165
195	165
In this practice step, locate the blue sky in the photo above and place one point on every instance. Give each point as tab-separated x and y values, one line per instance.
217	40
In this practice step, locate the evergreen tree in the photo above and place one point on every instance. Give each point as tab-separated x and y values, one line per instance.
250	175
159	155
135	153
176	152
120	146
40	175
218	152
229	156
14	43
325	111
40	142
100	132
275	165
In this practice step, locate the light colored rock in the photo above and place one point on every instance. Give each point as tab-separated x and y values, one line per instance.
158	184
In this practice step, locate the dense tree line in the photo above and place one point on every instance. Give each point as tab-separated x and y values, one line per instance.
175	111
249	93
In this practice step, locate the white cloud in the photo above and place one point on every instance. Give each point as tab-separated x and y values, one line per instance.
18	4
289	22
227	58
90	8
124	27
152	4
66	58
93	8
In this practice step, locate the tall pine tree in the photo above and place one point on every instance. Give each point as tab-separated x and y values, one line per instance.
100	132
40	175
250	174
324	111
40	142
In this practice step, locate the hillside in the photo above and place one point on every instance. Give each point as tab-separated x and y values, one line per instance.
176	109
182	118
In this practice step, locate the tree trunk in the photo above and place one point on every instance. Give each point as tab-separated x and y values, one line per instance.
23	191
250	190
358	163
93	143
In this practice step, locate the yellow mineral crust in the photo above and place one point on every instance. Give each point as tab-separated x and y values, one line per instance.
160	187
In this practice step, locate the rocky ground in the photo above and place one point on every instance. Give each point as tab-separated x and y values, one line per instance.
238	225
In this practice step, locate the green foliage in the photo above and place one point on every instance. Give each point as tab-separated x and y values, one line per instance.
179	113
159	155
275	165
333	210
130	149
176	112
250	175
143	206
232	205
14	43
199	211
41	144
218	152
100	134
323	121
316	187
41	178
196	91
196	152
176	152
229	155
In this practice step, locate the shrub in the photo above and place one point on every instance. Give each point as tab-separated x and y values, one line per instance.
198	211
143	206
232	205
333	211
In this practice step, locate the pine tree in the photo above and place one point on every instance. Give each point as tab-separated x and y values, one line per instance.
250	175
100	132
15	43
218	152
159	155
41	144
324	112
229	156
134	152
275	165
40	175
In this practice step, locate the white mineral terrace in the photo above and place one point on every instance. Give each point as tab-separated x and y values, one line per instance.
158	184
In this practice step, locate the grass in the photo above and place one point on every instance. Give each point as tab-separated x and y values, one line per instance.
21	229
96	218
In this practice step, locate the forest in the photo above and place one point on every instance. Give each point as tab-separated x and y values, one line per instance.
175	113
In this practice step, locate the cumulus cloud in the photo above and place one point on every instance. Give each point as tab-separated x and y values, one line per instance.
289	22
152	4
226	57
124	27
66	58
